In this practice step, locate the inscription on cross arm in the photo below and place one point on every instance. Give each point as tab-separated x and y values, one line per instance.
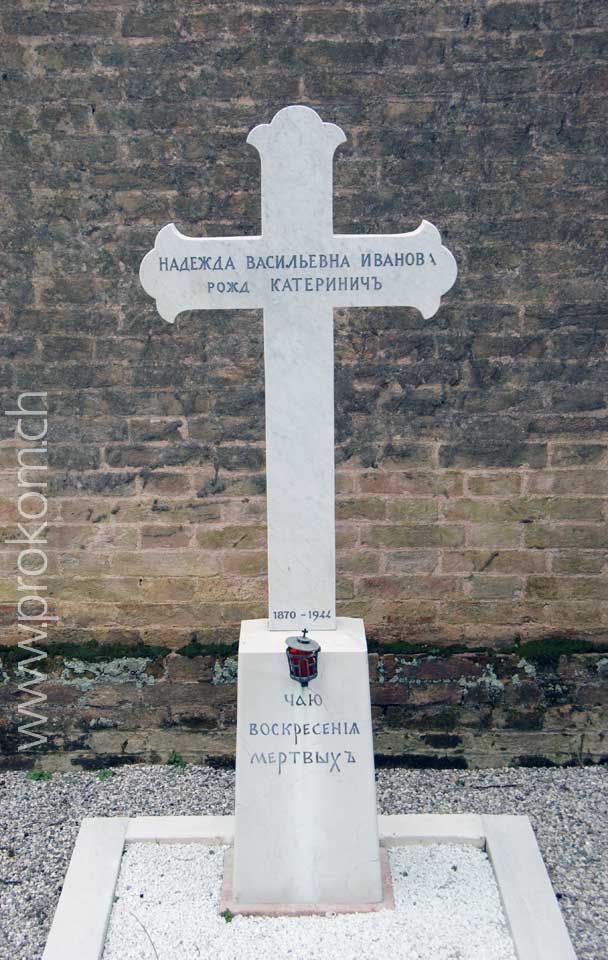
297	271
409	269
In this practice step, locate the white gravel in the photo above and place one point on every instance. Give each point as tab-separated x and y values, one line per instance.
39	822
447	906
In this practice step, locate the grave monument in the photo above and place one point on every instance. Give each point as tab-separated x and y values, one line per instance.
306	825
305	836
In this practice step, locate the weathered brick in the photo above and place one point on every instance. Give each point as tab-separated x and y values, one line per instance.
411	484
495	535
413	535
345	483
489	512
400	510
412	561
576	614
347	537
407	455
358	562
8	590
161	24
578	562
491	612
165	484
73	457
162	535
494	485
141	563
404	588
244	537
591	483
518	562
491	587
558	588
569	483
361	509
562	508
248	485
48	23
589	537
64	56
104	484
246	564
94	537
513	16
345	588
493	455
578	454
143	431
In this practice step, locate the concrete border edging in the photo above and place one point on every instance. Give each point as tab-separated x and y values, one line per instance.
81	919
424	828
537	927
531	908
180	830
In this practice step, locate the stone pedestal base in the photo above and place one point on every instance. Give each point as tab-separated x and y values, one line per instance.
306	829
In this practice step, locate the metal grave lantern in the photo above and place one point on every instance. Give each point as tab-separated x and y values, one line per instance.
302	656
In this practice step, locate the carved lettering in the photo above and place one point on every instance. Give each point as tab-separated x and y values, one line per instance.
302	757
328	284
297	730
230	286
409	259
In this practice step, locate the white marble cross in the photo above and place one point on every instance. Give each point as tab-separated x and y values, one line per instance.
297	271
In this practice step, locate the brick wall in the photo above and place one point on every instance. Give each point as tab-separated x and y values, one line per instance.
472	466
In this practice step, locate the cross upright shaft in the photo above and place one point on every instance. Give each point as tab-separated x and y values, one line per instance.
297	191
299	374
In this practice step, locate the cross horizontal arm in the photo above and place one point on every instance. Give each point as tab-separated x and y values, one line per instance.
349	270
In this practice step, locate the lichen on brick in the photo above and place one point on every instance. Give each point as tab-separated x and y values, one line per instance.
225	671
123	670
527	667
